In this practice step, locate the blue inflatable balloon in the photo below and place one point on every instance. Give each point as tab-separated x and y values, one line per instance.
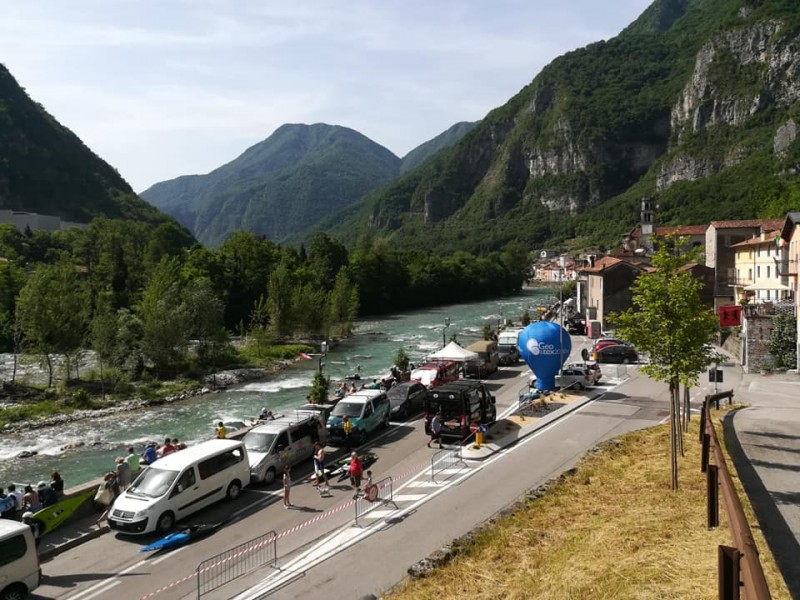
544	346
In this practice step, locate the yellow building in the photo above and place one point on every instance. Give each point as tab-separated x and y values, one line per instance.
757	266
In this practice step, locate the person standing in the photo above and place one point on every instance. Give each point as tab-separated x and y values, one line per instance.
123	471
27	518
287	486
30	501
133	461
167	448
319	467
149	456
347	428
436	429
356	471
221	431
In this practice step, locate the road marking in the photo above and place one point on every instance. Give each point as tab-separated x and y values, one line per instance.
166	556
103	586
114	583
408	497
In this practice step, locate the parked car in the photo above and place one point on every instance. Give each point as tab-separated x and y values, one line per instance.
618	353
461	404
608	341
367	410
282	442
593	367
434	374
486	362
406	398
577	377
507	348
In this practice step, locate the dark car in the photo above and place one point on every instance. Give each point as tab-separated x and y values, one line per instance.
461	404
618	353
406	398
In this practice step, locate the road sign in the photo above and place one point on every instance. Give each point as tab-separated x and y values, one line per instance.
473	427
715	375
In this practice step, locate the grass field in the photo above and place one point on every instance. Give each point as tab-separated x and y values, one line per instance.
612	529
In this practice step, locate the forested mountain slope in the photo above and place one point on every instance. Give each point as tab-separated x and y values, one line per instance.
280	187
694	104
444	140
45	168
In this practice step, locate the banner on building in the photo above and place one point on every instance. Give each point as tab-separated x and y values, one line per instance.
730	316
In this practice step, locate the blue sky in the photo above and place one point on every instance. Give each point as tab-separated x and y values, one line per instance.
162	88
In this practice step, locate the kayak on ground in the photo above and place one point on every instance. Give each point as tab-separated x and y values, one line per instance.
52	516
184	536
341	466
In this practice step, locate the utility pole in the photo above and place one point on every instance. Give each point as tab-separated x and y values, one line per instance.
444	331
561	265
323	350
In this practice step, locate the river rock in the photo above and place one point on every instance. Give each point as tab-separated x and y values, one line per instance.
27	454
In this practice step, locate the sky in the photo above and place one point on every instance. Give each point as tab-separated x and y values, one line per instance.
163	88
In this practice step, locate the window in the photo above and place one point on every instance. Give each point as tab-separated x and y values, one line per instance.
220	462
758	271
283	442
12	549
186	480
758	252
768	273
750	274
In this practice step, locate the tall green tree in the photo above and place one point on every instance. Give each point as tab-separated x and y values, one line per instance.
670	323
165	322
206	317
280	297
52	312
342	304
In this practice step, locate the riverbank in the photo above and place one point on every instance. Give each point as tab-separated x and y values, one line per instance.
214	383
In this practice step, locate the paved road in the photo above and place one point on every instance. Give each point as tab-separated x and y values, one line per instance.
764	441
427	516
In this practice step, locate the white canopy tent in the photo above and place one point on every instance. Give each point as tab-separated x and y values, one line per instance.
453	352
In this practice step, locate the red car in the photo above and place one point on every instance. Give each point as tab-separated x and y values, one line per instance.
608	341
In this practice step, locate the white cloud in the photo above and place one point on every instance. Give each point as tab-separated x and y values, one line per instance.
161	88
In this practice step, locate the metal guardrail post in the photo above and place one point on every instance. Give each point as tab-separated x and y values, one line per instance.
226	566
704	453
378	494
712	496
703	418
728	570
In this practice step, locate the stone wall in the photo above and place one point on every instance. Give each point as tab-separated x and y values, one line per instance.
757	331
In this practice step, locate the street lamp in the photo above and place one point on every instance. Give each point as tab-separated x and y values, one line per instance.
444	331
323	350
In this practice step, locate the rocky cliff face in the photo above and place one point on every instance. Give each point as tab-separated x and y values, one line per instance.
692	91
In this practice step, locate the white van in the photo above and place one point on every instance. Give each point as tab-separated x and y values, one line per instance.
20	572
179	485
284	441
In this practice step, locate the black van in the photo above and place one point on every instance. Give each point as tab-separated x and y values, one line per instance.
461	403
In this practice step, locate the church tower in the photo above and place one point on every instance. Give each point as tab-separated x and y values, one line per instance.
648	224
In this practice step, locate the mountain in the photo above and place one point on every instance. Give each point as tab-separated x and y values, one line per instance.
444	140
694	105
281	187
47	169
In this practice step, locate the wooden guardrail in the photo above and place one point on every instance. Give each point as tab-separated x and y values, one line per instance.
739	566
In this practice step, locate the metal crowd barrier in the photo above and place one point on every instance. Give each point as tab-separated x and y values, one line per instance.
218	570
739	566
376	495
445	459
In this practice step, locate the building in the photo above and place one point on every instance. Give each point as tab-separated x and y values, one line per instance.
35	222
721	237
606	287
757	263
789	242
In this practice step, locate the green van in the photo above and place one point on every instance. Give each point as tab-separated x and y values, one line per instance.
367	410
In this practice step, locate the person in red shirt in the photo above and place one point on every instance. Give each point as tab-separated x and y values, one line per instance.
167	448
356	471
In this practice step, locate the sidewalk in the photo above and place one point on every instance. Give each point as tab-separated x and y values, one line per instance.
764	443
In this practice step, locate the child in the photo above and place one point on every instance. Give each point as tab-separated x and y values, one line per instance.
368	483
287	484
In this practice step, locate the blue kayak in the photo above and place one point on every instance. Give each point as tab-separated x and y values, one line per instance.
184	536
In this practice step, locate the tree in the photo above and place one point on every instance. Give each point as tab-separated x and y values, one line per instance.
52	312
319	388
401	360
342	303
783	341
206	317
165	323
669	322
280	295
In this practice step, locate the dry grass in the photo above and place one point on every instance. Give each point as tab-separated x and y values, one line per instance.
612	530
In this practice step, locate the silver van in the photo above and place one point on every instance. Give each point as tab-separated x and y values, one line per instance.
20	572
284	441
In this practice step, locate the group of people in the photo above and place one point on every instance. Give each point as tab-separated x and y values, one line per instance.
154	451
30	500
344	390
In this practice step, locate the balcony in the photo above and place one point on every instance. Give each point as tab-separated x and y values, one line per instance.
769	309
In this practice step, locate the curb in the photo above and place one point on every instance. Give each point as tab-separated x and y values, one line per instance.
68	545
488	450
